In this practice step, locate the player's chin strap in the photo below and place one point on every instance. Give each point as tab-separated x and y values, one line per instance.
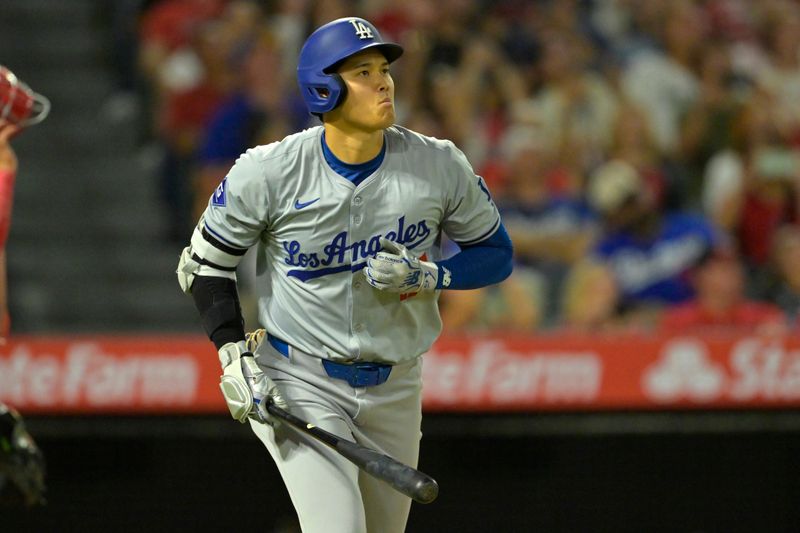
396	269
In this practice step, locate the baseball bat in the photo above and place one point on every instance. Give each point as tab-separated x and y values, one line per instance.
417	485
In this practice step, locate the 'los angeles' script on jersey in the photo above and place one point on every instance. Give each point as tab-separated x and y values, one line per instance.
340	255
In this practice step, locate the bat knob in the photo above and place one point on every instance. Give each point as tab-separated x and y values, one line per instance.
426	490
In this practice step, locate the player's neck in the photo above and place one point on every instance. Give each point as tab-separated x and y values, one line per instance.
353	147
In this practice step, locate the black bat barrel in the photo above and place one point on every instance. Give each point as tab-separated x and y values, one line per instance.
415	484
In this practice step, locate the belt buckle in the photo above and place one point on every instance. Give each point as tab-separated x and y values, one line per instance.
362	375
356	375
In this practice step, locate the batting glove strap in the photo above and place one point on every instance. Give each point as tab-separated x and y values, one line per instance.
260	385
396	269
444	277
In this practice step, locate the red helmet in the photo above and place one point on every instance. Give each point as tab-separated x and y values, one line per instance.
19	105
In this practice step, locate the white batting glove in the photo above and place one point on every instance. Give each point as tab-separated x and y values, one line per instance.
243	384
396	269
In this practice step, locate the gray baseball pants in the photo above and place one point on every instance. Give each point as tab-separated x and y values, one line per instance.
329	493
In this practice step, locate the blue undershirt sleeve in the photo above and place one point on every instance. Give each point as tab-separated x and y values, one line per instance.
480	264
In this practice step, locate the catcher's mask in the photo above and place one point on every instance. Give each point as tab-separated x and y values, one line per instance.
19	105
22	468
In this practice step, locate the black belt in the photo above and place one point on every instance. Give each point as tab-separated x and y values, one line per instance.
361	374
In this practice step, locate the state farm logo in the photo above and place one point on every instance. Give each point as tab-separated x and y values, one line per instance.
86	375
491	372
752	369
684	371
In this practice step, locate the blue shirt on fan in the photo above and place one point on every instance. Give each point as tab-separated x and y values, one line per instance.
657	270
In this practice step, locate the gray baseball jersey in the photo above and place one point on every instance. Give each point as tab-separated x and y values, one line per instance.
315	230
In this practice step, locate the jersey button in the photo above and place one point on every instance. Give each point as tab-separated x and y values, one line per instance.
358	328
357	219
357	285
357	200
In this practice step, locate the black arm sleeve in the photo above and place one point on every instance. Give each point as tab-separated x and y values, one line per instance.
217	300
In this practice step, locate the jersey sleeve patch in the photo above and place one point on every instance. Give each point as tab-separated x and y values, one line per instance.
219	197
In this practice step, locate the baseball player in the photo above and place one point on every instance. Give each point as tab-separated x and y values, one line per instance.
20	107
347	218
8	172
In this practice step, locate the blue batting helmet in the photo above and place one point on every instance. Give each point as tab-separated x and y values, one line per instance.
322	89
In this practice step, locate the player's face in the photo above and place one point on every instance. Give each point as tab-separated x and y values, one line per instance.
369	104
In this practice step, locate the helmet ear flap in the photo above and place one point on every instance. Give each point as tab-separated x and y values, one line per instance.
337	79
336	90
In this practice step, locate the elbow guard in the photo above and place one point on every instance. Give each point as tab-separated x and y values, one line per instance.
207	256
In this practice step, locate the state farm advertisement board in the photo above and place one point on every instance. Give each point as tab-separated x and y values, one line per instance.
177	375
111	375
590	373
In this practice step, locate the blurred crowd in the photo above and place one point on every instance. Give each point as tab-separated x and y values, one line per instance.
644	154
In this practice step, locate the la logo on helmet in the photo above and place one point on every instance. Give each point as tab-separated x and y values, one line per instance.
362	31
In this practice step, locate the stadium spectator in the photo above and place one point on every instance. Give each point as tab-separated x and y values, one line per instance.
183	60
633	142
781	75
624	29
663	80
550	231
709	124
166	59
753	189
780	282
516	305
590	300
577	107
720	304
258	112
474	116
649	252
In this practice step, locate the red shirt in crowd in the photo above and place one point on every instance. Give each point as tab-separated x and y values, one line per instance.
747	316
760	219
172	23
